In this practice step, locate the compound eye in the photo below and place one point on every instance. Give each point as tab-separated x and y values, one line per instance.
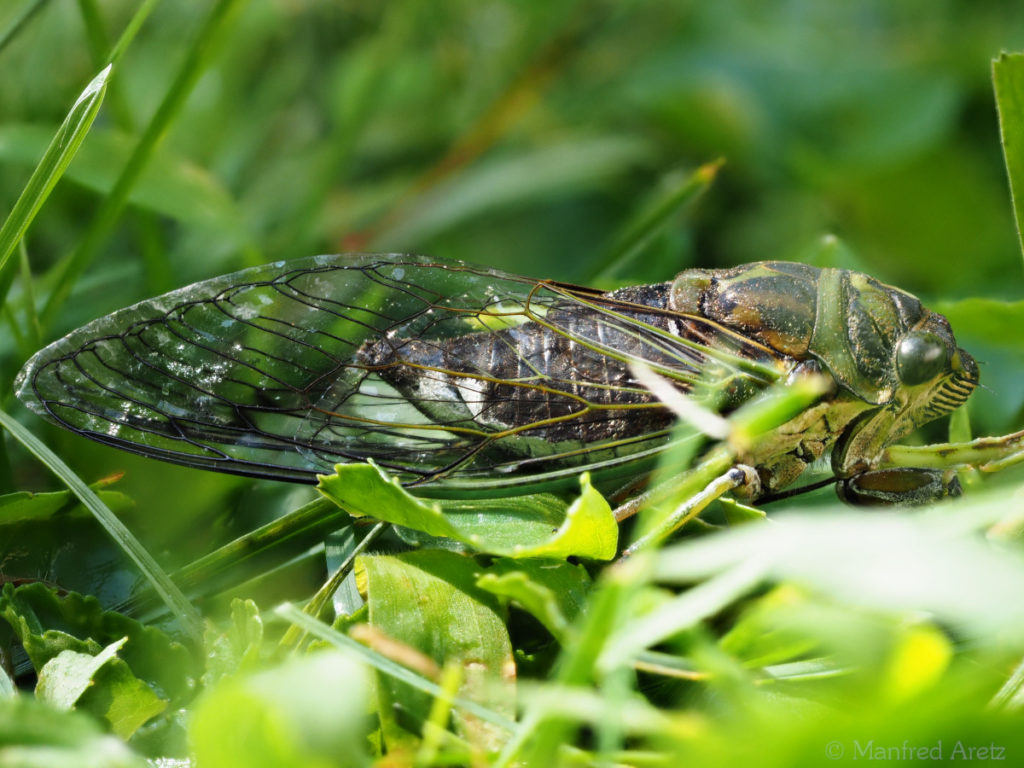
921	356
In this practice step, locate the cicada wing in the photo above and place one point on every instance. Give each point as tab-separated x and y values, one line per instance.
437	370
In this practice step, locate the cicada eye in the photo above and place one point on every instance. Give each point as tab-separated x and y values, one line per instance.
921	356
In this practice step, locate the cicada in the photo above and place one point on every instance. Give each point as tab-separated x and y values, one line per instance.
463	380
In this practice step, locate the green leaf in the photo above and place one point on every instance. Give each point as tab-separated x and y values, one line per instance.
64	678
34	533
51	167
428	601
553	592
47	624
1008	78
23	506
122	699
309	711
386	665
534	525
102	684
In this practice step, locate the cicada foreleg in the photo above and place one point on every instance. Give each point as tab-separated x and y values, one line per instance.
921	474
987	454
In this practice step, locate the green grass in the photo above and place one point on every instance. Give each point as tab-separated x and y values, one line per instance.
574	141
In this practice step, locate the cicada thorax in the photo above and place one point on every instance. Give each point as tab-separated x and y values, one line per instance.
894	363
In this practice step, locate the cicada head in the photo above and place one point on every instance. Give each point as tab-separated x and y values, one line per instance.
935	375
930	376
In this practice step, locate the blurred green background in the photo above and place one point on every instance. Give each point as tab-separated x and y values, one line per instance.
520	135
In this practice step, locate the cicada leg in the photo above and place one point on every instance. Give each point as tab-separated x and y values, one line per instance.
988	454
902	486
738	476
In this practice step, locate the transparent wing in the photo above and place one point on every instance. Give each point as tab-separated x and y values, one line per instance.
439	371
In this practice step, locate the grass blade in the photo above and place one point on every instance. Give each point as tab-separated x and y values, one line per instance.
179	605
198	57
1008	78
315	606
132	28
55	161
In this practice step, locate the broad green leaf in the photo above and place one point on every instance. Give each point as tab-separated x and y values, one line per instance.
168	185
102	684
35	529
47	624
34	734
122	699
554	592
64	678
22	505
535	525
428	602
35	547
308	712
384	664
1008	78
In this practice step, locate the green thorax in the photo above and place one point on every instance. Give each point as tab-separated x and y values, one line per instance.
895	364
